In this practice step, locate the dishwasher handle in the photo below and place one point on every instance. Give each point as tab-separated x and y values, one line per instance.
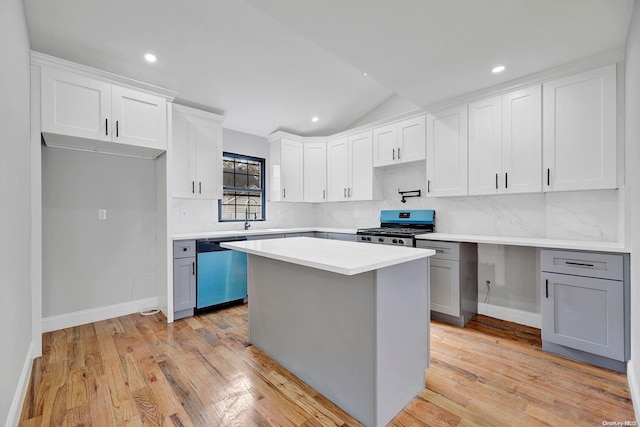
213	245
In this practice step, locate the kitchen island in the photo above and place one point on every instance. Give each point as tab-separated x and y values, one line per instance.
349	319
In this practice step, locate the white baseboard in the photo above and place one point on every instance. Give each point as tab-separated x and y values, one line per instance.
634	388
21	390
511	315
77	318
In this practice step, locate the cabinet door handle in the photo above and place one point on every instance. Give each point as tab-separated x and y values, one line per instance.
200	187
428	186
345	193
398	153
193	187
394	153
349	192
106	127
546	288
193	268
496	181
548	176
506	180
284	193
324	194
117	130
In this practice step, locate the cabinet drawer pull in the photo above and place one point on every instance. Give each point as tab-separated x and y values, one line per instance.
193	268
579	264
106	127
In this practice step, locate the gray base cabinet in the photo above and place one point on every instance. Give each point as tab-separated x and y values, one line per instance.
184	278
585	313
453	280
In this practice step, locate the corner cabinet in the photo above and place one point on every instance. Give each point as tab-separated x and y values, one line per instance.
447	152
286	166
585	306
399	142
580	131
350	173
196	154
315	172
505	143
86	113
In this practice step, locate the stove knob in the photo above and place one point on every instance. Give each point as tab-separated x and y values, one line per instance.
368	239
401	242
394	241
380	239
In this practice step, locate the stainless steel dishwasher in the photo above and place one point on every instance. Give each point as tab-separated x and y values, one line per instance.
222	274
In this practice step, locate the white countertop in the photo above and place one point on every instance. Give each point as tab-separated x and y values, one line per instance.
348	258
528	241
258	231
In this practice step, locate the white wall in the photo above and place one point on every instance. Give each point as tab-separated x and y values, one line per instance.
586	215
202	215
89	263
15	209
632	135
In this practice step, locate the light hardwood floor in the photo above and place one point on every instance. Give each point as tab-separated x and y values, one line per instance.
137	370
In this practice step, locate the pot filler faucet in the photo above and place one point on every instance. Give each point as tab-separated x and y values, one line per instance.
246	213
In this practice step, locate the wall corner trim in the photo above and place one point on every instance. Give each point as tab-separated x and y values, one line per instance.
634	387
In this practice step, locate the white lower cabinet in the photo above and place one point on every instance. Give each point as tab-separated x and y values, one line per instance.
585	313
453	280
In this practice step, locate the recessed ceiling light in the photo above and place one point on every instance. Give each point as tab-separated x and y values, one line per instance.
365	74
150	57
314	119
498	69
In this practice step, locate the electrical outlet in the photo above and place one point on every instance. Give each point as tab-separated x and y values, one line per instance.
102	214
183	213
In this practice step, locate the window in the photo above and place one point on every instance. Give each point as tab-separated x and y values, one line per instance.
243	188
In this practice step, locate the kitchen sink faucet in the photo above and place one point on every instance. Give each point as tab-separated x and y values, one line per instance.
246	213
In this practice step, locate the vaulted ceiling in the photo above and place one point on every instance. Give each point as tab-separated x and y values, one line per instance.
270	65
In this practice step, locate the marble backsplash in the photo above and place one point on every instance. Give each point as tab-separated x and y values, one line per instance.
583	215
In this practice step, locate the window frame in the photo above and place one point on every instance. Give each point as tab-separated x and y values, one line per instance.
262	191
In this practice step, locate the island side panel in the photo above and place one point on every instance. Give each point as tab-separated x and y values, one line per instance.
402	319
320	326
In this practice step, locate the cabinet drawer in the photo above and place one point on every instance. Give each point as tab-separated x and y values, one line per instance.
586	264
184	249
444	250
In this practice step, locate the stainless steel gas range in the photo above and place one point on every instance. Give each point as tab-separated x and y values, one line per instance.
398	227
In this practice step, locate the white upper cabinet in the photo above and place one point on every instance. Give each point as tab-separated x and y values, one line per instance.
75	105
140	118
287	176
337	169
315	172
522	140
485	145
87	113
505	144
350	174
580	138
447	152
399	142
196	154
